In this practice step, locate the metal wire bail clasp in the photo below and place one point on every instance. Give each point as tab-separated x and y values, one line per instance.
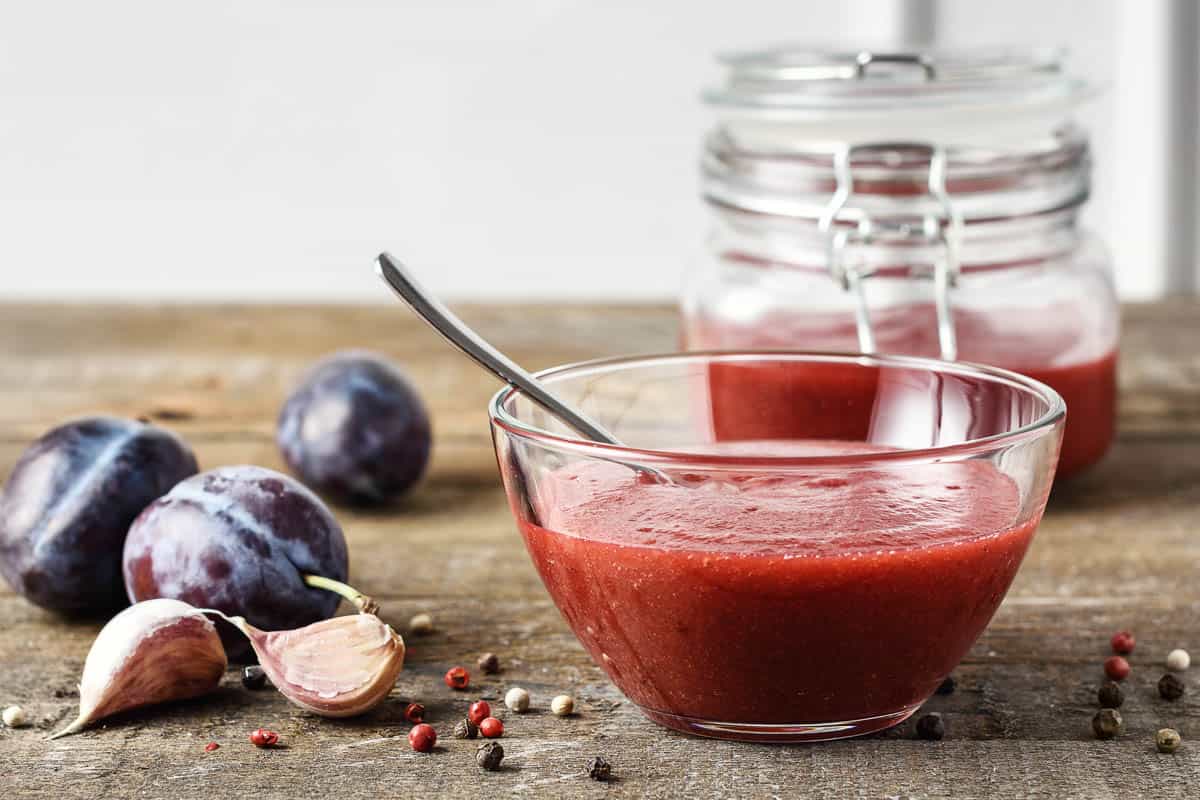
943	229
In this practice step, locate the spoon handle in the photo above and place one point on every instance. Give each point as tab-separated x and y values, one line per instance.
458	334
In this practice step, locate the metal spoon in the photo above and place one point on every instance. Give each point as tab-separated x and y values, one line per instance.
458	334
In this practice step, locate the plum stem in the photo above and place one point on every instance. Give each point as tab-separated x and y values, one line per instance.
362	602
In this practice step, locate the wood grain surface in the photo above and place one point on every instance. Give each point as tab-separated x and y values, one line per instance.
1119	548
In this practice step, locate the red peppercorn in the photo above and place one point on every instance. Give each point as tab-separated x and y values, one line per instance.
422	738
479	711
491	728
457	678
414	713
264	738
208	748
1123	642
1116	668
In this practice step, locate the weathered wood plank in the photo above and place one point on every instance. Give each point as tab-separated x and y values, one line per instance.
226	368
1120	547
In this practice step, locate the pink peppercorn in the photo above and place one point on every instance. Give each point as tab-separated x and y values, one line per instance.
1116	668
457	678
479	711
208	748
414	713
1123	642
264	738
422	738
491	728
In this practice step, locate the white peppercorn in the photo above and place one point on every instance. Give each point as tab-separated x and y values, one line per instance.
1178	660
14	717
562	705
420	625
517	699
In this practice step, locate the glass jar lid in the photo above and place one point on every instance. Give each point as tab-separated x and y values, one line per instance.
914	92
1001	117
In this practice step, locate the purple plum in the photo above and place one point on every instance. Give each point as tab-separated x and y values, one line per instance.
355	429
240	540
69	502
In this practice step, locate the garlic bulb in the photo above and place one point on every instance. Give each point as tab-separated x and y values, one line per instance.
152	652
336	668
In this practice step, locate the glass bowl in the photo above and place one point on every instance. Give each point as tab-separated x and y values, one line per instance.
788	546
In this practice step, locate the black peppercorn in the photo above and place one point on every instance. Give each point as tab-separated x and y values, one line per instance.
1110	695
489	755
466	729
253	677
947	686
931	727
1107	723
1170	687
599	769
488	664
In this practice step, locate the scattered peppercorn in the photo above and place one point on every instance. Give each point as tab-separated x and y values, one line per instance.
1110	695
489	755
1107	723
947	686
517	699
931	727
1167	740
599	769
422	738
414	713
14	717
208	748
1123	642
1170	687
465	729
488	664
491	728
420	625
563	705
479	711
457	678
1178	660
254	677
264	738
1116	668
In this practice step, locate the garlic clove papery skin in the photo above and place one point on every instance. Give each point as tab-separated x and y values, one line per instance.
338	667
152	652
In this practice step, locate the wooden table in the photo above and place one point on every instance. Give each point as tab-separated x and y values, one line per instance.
1119	548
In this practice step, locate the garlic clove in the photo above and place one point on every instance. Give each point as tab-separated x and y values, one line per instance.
338	667
152	652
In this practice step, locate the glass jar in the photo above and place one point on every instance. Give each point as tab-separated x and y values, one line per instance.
908	203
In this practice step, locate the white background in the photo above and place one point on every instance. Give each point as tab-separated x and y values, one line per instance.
244	149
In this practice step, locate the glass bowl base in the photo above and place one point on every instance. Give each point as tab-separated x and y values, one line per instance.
782	732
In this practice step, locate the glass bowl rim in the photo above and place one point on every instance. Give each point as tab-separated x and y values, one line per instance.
1055	413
